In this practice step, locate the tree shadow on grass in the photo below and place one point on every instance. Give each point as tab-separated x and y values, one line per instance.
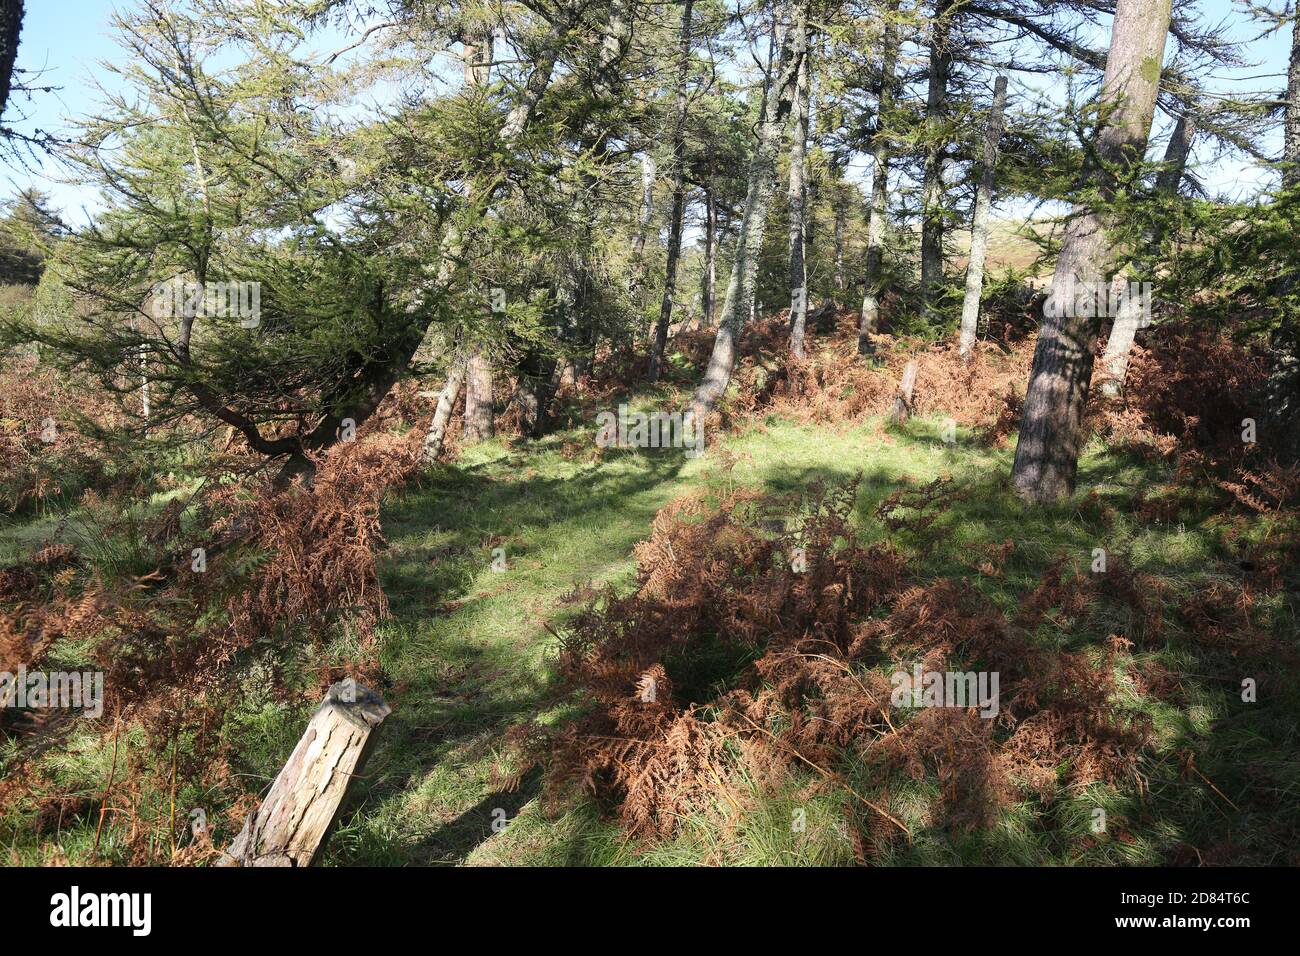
455	840
462	691
470	510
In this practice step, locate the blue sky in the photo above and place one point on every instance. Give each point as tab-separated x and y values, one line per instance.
68	38
65	39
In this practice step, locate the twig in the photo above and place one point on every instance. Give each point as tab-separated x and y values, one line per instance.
103	804
1192	767
176	737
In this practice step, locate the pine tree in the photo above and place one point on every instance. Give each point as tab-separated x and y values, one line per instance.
1047	453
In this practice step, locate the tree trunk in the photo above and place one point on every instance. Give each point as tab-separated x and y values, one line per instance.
290	827
1169	180
1128	319
1131	315
648	175
1282	393
1291	118
674	251
840	209
933	190
1283	386
442	413
810	211
614	42
679	198
146	410
373	378
798	199
586	338
1177	152
758	196
539	78
869	322
355	398
979	238
476	60
11	25
533	390
903	400
1047	452
709	305
479	423
476	64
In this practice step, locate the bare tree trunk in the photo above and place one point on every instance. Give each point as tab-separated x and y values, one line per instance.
841	220
869	321
810	211
146	409
903	401
538	373
377	376
679	198
477	68
533	390
979	237
1047	453
678	214
11	25
539	78
710	256
1129	318
606	86
614	43
933	191
798	198
442	413
1177	152
479	422
648	176
1132	315
476	60
758	197
1291	118
476	65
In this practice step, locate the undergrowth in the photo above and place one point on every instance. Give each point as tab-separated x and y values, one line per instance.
686	661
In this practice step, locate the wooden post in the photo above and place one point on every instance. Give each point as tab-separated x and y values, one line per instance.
903	402
290	826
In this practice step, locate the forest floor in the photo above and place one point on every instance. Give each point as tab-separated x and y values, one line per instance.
469	650
490	559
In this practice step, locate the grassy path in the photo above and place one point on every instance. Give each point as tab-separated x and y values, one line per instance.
468	644
486	555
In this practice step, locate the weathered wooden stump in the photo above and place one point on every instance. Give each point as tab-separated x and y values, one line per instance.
291	825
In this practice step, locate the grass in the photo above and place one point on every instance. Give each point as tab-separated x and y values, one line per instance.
486	557
468	647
